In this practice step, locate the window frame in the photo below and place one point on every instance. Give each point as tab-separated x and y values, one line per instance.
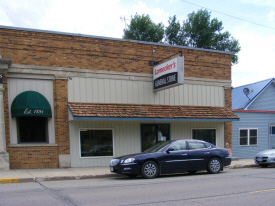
153	124
192	129
248	137
93	157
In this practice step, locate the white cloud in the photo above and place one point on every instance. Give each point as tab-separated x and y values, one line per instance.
100	18
256	59
156	14
271	15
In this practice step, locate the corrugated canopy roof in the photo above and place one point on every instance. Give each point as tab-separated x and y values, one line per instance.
241	101
91	111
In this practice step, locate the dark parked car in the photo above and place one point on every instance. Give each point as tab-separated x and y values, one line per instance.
173	157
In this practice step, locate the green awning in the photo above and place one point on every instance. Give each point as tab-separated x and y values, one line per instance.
30	104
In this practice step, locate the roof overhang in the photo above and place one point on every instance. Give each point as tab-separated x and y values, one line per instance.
142	112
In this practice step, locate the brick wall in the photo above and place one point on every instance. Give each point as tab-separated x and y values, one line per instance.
45	49
33	157
228	125
61	116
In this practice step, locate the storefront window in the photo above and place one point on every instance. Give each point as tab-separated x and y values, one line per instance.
1	81
154	133
96	143
32	129
208	135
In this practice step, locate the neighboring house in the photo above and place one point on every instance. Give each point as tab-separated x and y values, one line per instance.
254	104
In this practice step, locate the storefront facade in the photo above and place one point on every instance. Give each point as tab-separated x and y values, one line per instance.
77	101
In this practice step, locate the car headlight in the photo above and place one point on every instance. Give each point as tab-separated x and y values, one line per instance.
129	160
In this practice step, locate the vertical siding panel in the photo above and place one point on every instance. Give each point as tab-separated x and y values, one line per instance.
113	91
186	95
124	91
95	90
89	90
107	89
76	88
118	91
130	93
101	89
83	90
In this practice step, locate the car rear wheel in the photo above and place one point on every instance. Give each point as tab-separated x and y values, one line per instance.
214	166
149	170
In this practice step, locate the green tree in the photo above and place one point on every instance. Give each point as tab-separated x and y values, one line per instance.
198	30
142	28
173	32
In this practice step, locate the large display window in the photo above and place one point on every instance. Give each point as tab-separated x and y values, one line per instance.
96	142
154	133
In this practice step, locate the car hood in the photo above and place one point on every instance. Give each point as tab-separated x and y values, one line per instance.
132	155
266	152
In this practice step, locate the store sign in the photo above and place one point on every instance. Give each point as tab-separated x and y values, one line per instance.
169	74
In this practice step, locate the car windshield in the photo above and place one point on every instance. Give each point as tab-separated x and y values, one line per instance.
157	147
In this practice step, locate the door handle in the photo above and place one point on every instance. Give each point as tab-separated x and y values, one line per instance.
207	153
183	154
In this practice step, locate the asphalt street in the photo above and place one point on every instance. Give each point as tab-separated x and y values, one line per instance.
246	186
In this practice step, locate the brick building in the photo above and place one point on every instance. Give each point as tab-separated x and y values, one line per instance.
70	100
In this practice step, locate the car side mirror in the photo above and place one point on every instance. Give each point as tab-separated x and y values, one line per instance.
170	149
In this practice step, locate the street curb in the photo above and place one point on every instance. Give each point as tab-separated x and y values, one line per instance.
80	177
41	179
241	166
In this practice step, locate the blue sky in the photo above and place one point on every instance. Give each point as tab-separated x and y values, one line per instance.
103	18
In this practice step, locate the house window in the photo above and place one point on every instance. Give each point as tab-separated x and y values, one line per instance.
96	142
272	130
1	77
208	135
32	129
154	133
248	137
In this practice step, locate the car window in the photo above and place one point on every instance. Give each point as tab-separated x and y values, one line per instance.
177	146
196	145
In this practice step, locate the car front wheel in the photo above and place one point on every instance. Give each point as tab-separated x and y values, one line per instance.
149	170
214	165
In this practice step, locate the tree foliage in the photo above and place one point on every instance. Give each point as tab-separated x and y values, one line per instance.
202	32
142	28
198	30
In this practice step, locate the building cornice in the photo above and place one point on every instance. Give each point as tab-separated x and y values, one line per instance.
47	72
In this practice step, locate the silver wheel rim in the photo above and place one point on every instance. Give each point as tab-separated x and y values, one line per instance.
215	165
150	170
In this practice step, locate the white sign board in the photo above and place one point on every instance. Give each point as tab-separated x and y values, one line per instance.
169	74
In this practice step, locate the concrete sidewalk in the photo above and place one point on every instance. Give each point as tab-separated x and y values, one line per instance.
38	175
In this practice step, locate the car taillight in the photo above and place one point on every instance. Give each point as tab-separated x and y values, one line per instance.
228	152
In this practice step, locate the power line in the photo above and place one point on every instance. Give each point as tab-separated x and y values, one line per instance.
229	15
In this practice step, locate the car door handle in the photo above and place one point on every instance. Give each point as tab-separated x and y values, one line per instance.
207	153
183	154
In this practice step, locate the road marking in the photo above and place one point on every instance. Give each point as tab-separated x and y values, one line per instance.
263	191
9	180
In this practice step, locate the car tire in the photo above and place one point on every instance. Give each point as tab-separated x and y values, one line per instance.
149	170
214	166
263	165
